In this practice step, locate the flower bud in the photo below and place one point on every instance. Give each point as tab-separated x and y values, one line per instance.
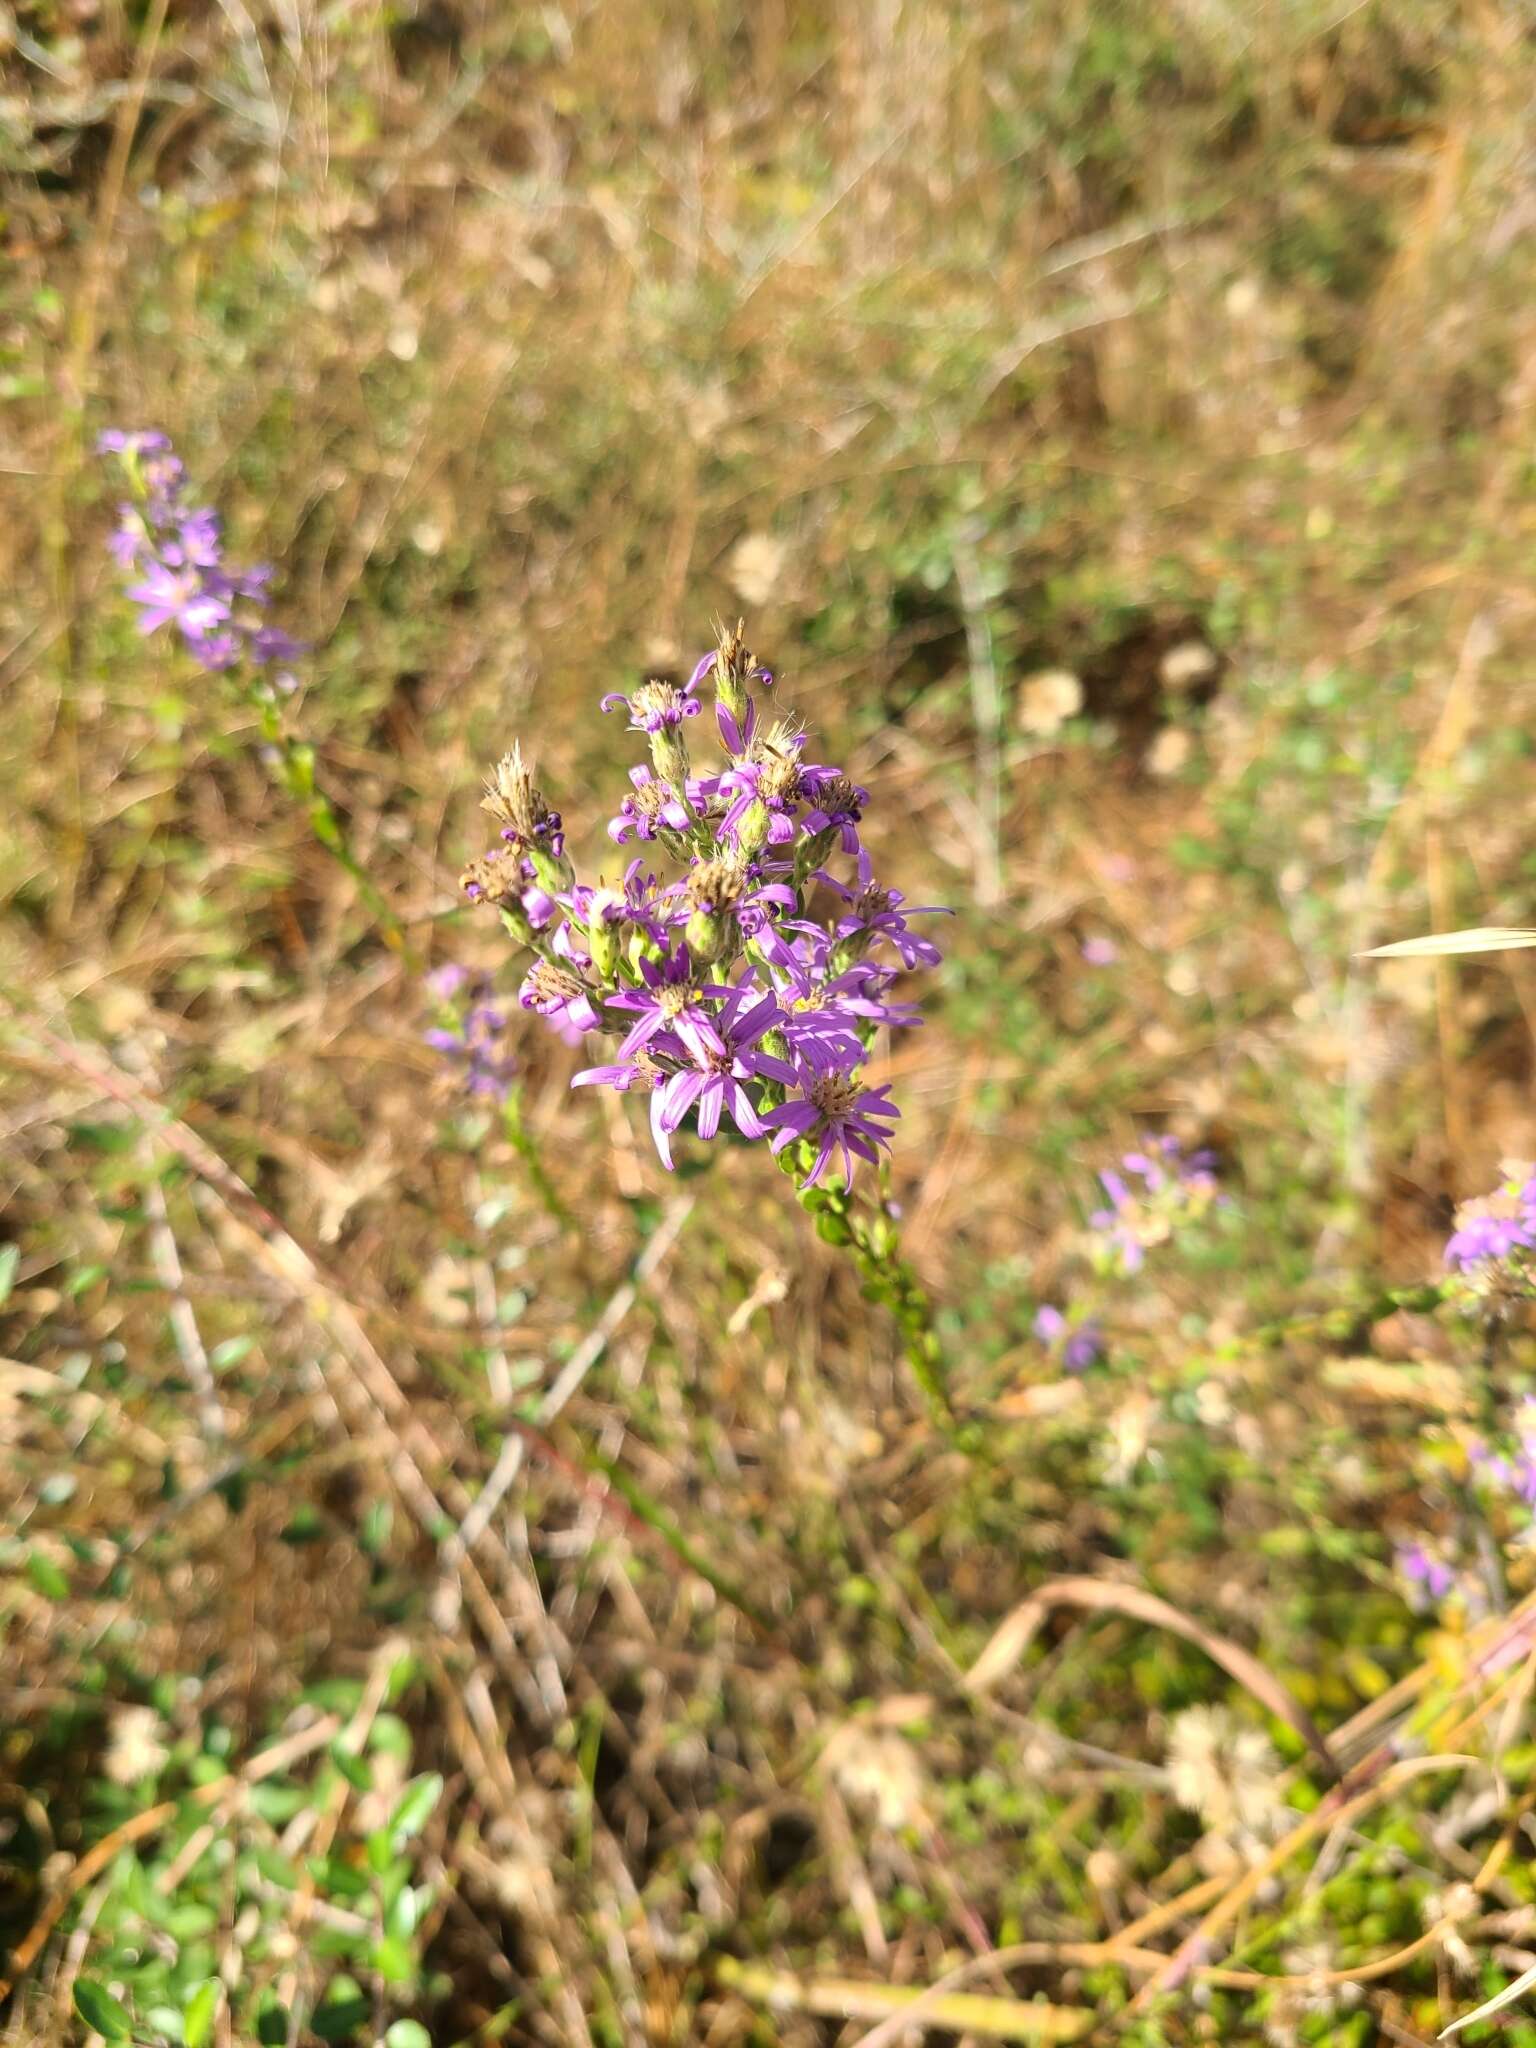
669	757
605	926
811	853
730	690
711	935
518	924
752	829
552	867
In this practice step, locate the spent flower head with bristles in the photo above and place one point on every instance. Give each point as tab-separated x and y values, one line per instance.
738	987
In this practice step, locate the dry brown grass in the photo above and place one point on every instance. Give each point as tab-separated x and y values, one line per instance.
1046	337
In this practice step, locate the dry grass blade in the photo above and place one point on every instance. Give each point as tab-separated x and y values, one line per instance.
959	2012
1525	1982
1476	939
1018	1630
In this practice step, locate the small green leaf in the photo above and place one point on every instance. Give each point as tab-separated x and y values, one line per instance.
403	1915
407	2034
416	1805
202	2008
390	1737
343	2012
272	2025
353	1769
102	2013
10	1259
230	1352
394	1960
49	1578
277	1803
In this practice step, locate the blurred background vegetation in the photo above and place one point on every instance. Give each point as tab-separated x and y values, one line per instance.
1114	419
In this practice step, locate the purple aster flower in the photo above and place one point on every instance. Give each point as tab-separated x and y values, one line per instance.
176	597
876	913
825	1017
1420	1569
474	1042
639	1072
1080	1344
561	998
672	1001
837	805
764	790
835	1112
714	1083
271	643
123	441
198	543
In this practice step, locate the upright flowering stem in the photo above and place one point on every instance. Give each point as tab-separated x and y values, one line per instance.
524	1145
889	1278
747	991
172	557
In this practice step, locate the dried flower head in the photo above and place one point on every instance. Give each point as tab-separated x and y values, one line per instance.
1225	1771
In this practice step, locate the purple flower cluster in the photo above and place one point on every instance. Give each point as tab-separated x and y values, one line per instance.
1493	1236
471	1031
1429	1578
1513	1472
746	989
1154	1191
172	557
1078	1341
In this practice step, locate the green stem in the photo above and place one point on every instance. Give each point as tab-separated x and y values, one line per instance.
888	1277
526	1148
295	771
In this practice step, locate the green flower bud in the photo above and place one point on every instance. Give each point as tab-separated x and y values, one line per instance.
752	829
669	757
711	935
554	870
605	933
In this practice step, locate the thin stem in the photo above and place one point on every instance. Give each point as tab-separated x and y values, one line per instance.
526	1148
294	769
888	1277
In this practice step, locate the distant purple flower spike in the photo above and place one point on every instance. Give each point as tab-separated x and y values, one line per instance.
1175	1189
1419	1568
175	553
1079	1344
473	1041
